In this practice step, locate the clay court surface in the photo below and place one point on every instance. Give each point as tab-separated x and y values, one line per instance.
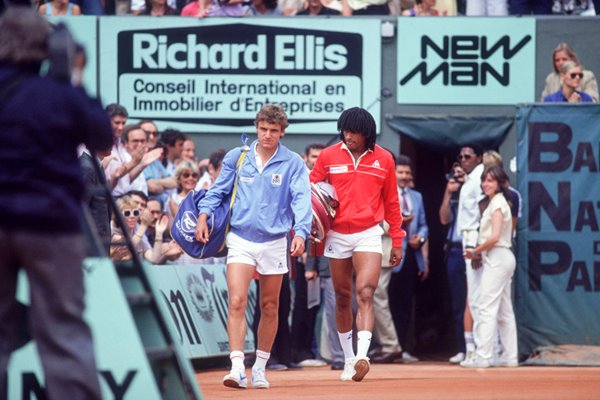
424	381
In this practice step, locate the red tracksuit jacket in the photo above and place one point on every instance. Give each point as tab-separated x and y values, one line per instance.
367	193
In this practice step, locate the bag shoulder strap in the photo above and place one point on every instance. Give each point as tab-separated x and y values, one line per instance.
238	168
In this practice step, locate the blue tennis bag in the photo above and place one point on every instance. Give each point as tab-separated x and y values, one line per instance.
184	227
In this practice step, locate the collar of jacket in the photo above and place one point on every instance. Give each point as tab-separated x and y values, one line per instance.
283	154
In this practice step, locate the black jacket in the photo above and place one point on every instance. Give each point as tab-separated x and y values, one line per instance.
41	124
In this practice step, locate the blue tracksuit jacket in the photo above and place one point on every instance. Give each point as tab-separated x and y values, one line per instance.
267	204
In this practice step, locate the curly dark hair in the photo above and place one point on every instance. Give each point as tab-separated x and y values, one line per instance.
358	120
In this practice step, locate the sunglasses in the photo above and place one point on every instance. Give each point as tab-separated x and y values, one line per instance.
464	156
129	213
151	133
574	75
186	175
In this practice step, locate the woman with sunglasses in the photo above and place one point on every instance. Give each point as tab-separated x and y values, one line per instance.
571	75
131	215
561	54
186	175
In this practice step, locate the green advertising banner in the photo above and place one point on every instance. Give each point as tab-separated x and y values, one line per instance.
466	60
123	368
196	299
558	271
213	74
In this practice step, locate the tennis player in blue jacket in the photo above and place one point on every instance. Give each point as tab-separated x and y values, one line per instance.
272	197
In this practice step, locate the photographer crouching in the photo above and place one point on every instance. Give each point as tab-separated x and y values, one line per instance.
42	121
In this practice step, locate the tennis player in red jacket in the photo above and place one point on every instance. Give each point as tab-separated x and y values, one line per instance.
363	175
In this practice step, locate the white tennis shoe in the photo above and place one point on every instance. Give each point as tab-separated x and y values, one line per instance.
348	372
236	378
259	381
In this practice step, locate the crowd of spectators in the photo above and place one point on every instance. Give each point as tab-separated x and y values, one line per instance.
240	8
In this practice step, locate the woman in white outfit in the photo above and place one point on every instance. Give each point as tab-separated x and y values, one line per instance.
494	243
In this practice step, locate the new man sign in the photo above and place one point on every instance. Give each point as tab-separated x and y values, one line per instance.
466	60
215	74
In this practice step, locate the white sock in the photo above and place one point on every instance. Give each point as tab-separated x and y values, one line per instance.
346	342
261	360
364	341
237	360
470	342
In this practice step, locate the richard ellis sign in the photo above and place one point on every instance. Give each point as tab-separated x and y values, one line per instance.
213	76
466	60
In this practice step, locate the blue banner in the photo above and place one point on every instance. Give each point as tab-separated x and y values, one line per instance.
558	273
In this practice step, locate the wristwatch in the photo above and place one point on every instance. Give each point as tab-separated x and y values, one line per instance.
422	240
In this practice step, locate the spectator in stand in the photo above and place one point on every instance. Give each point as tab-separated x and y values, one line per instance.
215	162
188	151
315	7
158	8
140	198
118	251
422	8
447	7
154	207
197	8
487	8
59	7
160	175
571	75
122	168
135	141
186	175
263	8
150	128
455	262
213	8
527	7
171	251
291	7
362	7
561	54
118	118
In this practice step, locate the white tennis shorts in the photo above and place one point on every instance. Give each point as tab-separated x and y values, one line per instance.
342	245
269	258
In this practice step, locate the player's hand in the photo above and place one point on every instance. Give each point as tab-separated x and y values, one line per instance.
297	247
202	234
395	256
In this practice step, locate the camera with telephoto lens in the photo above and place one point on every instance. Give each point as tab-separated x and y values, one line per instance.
61	51
451	176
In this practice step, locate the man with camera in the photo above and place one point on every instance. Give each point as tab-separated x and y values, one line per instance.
42	121
455	262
